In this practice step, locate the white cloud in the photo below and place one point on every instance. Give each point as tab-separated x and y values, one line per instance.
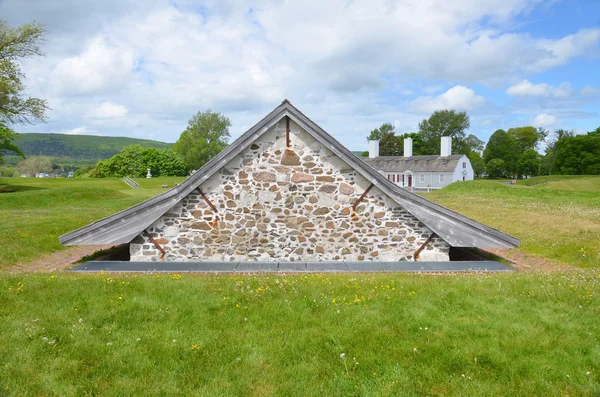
350	65
100	68
544	120
351	40
525	88
107	110
589	90
75	131
559	52
457	97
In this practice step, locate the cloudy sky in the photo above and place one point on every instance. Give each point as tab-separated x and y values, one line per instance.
142	68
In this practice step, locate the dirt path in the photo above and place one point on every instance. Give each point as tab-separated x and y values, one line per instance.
57	261
527	262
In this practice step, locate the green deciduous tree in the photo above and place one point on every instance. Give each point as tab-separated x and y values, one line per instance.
496	168
83	172
529	163
8	172
502	146
517	148
17	44
444	123
527	137
205	136
135	160
477	163
165	162
547	166
6	141
577	155
419	147
469	144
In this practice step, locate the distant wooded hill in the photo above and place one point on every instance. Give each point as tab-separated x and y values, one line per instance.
76	149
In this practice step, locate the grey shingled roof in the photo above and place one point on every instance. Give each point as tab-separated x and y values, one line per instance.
456	229
431	163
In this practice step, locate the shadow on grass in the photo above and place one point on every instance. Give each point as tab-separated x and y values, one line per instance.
18	188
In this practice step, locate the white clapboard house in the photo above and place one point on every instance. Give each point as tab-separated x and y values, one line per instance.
422	172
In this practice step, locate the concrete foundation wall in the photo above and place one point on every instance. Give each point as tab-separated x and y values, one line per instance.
276	204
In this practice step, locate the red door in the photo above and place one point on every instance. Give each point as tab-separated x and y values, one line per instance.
409	180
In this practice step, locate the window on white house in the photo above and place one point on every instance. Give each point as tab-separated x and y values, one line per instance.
442	178
464	164
422	178
388	176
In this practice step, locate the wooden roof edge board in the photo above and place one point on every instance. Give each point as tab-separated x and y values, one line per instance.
401	196
114	232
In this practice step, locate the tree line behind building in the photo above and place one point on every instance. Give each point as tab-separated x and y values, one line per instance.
512	153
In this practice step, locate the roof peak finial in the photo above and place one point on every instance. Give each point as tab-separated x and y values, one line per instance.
286	101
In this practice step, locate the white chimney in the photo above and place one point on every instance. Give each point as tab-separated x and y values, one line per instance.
373	149
407	147
446	146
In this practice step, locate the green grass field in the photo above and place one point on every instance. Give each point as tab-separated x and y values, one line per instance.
521	334
559	218
40	210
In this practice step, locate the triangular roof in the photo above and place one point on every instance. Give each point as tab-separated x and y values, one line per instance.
456	229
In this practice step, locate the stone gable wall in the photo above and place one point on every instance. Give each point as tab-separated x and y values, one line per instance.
277	204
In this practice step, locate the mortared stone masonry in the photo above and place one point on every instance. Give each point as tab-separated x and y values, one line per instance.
287	204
